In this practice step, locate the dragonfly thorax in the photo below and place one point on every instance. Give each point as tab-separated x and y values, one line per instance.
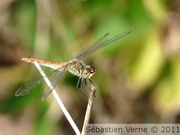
79	68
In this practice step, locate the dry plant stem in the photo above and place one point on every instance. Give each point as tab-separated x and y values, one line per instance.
60	103
88	110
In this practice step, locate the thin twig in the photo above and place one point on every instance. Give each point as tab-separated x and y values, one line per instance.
60	103
88	110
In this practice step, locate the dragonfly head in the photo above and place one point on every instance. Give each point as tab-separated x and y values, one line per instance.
88	71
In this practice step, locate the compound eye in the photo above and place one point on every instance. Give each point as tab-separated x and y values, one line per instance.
92	69
87	70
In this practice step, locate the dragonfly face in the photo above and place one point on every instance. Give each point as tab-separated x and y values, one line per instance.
88	72
76	66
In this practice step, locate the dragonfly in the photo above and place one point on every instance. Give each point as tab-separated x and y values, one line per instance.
75	66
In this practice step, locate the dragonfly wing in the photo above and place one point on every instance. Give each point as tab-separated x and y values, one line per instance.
89	50
54	79
26	88
103	41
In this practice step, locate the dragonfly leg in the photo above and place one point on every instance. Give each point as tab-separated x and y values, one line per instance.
78	87
93	86
79	83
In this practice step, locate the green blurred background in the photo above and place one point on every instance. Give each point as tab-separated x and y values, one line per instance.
137	77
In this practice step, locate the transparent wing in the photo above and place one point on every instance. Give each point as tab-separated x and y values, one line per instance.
103	41
27	87
54	82
92	48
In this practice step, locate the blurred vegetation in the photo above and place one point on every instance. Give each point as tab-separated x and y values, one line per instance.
137	77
